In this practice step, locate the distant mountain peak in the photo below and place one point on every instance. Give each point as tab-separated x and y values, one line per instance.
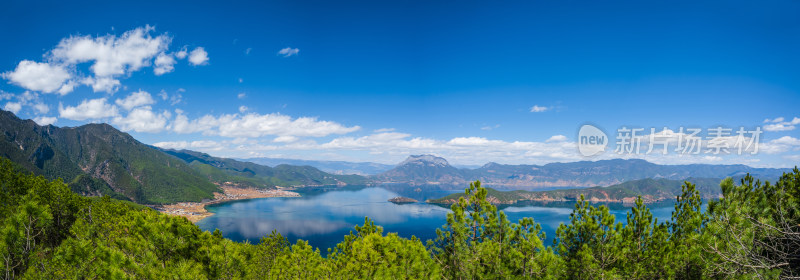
425	160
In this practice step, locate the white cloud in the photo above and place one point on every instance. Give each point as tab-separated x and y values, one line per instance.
778	124
243	109
198	56
488	127
38	76
13	107
256	125
102	84
41	108
248	50
45	120
143	119
285	139
111	55
778	119
202	144
136	99
241	95
779	127
287	52
182	53
557	138
173	99
539	109
780	145
176	98
88	109
67	87
164	64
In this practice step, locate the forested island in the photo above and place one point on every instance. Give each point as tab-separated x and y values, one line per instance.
648	190
48	231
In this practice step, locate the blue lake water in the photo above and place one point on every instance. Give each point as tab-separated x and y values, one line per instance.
323	216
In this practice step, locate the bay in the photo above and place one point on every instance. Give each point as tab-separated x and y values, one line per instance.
323	216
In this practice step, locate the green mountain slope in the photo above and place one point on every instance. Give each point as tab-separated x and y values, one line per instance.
651	190
97	159
222	170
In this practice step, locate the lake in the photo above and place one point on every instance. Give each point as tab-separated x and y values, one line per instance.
323	216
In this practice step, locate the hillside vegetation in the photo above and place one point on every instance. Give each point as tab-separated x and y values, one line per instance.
428	169
220	170
47	231
650	190
97	159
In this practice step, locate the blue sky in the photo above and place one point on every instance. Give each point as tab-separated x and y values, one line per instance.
379	80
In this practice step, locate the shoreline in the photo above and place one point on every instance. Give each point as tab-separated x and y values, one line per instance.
196	211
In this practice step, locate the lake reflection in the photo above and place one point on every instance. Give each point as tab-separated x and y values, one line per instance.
323	216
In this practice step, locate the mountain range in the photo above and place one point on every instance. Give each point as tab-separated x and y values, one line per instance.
249	174
333	167
429	169
97	159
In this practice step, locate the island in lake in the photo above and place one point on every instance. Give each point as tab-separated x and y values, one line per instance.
402	200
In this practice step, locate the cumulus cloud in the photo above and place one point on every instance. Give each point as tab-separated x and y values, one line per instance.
256	125
201	144
88	109
557	138
243	109
539	109
39	76
241	95
164	64
136	99
173	99
41	108
198	56
780	145
182	53
143	119
45	120
287	52
13	107
778	124
102	84
110	57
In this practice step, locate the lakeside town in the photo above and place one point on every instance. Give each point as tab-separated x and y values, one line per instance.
196	211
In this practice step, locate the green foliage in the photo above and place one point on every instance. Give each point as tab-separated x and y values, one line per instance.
755	231
478	241
591	244
47	231
97	159
248	174
651	189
